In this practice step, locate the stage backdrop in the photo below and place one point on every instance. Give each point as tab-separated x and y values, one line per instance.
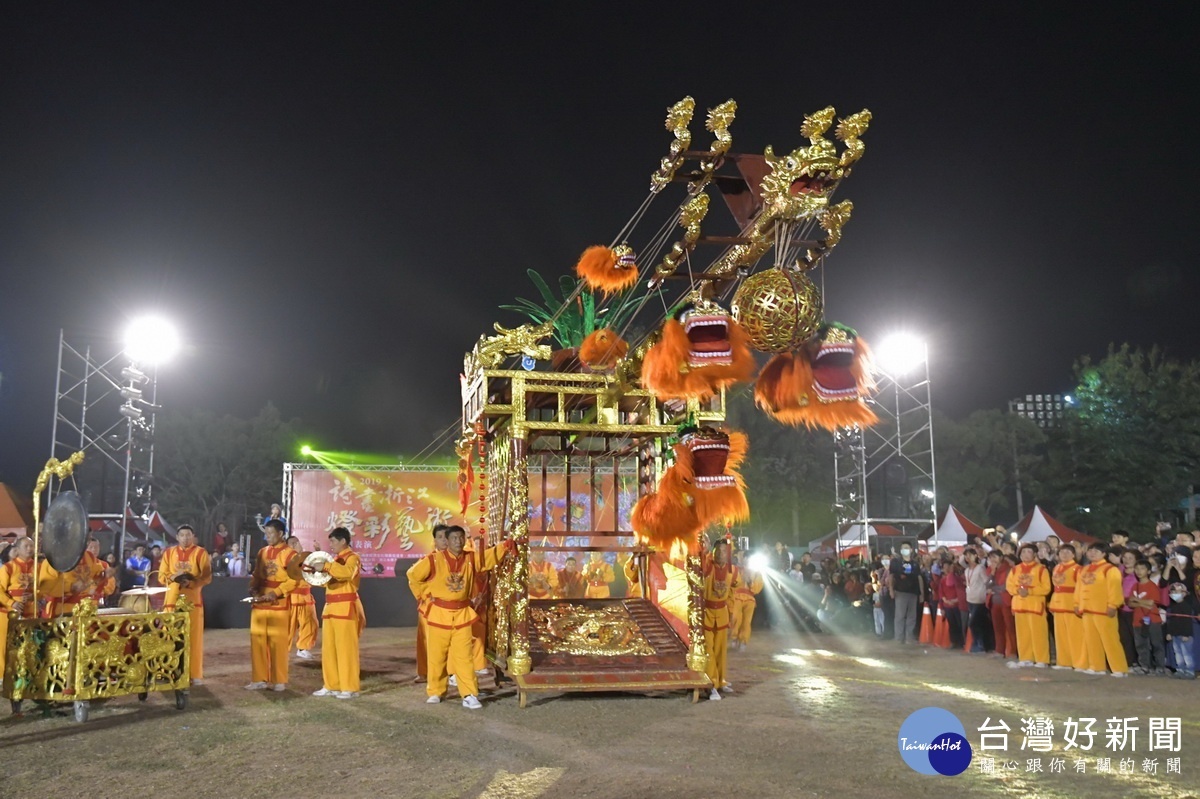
391	513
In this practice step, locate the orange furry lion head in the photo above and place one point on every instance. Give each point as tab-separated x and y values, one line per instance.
823	385
697	355
601	350
610	270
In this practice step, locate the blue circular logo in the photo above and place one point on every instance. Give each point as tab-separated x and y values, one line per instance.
528	363
934	741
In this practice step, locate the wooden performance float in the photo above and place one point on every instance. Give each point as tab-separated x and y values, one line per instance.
595	434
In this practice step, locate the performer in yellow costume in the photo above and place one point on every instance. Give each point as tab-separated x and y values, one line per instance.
16	591
448	578
630	568
543	577
63	590
1068	629
270	583
106	583
599	576
339	623
423	599
721	580
742	607
1098	597
185	569
302	611
1029	584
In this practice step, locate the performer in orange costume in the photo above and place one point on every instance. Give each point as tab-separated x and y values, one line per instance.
339	623
599	576
631	569
721	580
570	581
1029	584
302	611
448	578
439	544
63	590
104	584
543	577
16	591
1098	596
742	607
270	583
185	569
1068	629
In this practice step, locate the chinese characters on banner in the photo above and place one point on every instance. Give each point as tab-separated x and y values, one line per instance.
391	514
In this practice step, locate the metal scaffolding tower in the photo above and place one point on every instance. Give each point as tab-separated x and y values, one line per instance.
885	474
106	408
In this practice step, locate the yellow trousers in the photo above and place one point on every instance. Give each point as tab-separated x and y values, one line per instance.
740	617
196	655
1068	640
339	654
1033	637
1101	639
302	625
478	633
269	641
716	641
450	651
422	654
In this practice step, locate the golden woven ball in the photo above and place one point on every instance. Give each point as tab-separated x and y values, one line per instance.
779	309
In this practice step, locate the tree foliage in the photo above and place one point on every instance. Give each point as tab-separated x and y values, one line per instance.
977	461
789	475
1130	446
211	469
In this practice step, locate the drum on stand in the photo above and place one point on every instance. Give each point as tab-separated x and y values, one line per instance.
138	599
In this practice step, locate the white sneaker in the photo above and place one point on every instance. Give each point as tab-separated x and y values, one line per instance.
453	680
304	654
472	703
198	681
714	695
281	686
1024	664
727	688
433	700
1039	665
1060	668
742	647
1012	664
347	694
255	686
1091	671
324	692
483	672
1119	674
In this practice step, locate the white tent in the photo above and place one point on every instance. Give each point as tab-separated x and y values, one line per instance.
1039	525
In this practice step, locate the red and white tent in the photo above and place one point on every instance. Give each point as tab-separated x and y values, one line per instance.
16	514
953	530
1039	525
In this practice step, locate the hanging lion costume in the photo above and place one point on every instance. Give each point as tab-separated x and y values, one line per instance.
824	384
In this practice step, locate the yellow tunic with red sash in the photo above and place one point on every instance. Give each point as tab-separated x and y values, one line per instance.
720	583
16	585
269	639
1029	612
599	576
302	614
340	623
63	590
1099	591
194	561
448	582
421	594
742	606
543	580
1068	628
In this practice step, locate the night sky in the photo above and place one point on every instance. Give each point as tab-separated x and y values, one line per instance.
332	200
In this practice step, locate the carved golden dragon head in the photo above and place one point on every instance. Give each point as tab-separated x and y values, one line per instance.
799	184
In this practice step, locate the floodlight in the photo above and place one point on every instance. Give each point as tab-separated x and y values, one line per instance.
759	562
900	353
151	339
306	450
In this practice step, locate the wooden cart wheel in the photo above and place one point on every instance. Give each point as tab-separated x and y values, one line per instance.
522	697
81	712
142	696
181	700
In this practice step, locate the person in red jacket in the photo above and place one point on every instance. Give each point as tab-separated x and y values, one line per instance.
952	593
1145	599
1000	602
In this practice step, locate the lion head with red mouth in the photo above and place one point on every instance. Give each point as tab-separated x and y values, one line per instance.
824	384
699	352
702	487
